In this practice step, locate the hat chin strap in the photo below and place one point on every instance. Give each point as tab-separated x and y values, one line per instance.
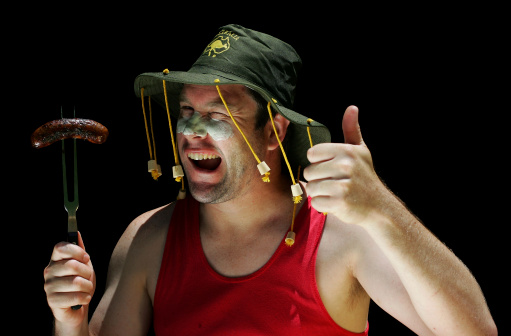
177	170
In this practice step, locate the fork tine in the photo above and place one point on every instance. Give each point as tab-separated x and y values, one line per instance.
75	178
64	175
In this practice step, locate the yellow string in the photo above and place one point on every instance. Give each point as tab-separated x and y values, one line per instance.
236	124
294	209
151	124
176	157
280	144
309	131
145	122
310	139
290	239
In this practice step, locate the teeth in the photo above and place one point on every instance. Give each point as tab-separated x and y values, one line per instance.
201	156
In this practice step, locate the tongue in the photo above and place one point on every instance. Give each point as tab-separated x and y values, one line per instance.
210	164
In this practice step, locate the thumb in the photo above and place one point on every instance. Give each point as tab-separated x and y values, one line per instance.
80	241
350	127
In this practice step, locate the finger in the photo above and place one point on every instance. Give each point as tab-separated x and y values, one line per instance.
68	299
326	187
340	167
322	203
68	284
66	250
325	151
351	127
68	267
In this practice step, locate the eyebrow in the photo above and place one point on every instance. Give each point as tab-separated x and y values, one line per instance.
215	103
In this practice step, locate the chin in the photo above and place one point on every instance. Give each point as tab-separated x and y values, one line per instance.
209	193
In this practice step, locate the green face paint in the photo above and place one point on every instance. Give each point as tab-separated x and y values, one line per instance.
196	124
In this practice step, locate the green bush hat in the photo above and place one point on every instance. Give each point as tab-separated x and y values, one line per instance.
238	55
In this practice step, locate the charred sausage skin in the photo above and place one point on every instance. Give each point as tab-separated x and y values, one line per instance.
67	128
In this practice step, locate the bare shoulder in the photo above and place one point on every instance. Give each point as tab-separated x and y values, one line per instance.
146	227
142	243
150	224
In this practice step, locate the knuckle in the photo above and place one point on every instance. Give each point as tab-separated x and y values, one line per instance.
80	298
350	150
343	187
60	250
60	247
344	165
47	287
347	166
74	266
81	284
52	300
47	272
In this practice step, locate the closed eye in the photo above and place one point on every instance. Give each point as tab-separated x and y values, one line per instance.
218	115
186	112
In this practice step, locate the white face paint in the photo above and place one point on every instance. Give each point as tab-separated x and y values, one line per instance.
195	124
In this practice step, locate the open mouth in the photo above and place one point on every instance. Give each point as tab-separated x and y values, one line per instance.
205	161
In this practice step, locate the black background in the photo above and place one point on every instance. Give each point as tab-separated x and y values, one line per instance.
426	80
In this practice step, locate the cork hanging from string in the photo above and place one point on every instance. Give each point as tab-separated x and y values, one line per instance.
177	169
152	165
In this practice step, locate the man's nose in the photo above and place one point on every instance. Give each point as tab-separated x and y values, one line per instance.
195	127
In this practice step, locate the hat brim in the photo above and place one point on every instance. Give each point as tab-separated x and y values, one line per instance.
152	83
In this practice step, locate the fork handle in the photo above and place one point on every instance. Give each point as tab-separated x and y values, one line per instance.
72	237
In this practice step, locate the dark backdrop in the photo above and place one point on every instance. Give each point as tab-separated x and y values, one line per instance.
425	80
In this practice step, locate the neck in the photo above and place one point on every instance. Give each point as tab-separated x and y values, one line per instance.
264	205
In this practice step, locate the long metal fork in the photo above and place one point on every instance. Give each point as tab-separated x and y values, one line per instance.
71	206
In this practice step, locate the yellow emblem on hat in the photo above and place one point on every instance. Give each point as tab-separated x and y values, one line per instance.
217	46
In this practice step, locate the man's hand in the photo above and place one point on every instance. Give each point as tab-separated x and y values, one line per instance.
69	280
341	177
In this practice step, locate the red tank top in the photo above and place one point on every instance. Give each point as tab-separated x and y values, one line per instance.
281	298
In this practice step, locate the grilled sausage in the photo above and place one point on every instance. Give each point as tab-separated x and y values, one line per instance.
66	128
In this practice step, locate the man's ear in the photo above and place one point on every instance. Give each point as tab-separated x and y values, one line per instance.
281	125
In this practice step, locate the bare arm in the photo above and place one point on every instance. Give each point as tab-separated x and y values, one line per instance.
126	307
414	263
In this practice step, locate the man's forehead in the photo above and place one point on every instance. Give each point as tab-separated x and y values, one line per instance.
233	93
212	88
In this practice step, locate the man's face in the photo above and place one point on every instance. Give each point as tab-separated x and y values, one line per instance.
218	163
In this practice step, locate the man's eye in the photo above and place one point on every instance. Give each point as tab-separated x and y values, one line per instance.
218	115
185	112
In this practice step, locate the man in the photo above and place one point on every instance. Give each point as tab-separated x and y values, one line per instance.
216	261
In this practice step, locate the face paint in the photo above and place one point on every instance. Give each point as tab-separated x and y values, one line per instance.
195	124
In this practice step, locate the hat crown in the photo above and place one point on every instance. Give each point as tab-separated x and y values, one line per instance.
258	58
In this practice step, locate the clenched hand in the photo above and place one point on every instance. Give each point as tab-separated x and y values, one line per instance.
341	177
69	281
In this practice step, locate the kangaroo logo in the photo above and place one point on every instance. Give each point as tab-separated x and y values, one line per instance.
217	46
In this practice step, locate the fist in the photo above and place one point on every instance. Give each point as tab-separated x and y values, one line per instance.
69	280
341	178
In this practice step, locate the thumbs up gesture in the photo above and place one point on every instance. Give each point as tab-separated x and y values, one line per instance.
341	178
